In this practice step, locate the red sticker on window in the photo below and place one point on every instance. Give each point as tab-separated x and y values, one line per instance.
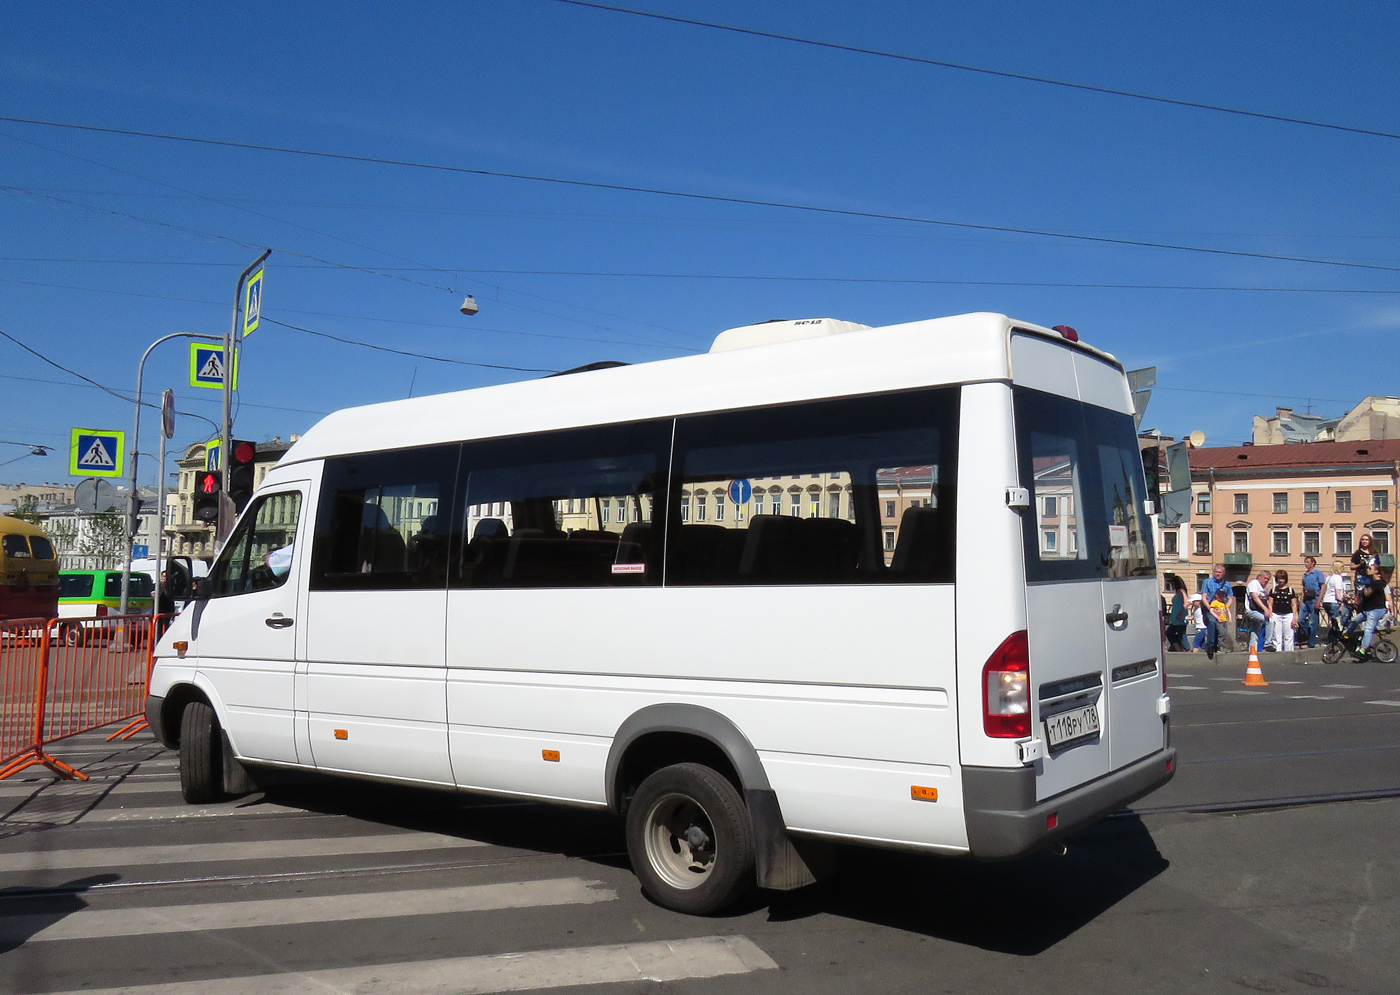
629	568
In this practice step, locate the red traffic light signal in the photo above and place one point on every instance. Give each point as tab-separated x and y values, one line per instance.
240	473
207	485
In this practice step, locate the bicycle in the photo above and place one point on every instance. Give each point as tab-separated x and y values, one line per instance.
1382	649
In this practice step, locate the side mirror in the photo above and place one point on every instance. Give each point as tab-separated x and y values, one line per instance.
199	589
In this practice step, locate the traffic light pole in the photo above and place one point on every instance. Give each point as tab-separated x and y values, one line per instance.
133	521
231	343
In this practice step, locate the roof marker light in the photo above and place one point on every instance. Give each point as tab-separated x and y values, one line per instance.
1067	332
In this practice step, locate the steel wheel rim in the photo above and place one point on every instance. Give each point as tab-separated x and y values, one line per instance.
678	855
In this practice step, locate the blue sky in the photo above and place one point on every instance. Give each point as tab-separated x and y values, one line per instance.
539	87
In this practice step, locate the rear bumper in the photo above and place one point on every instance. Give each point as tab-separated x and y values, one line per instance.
1004	819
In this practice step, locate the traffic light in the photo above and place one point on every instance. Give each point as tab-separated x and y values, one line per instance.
208	485
1151	470
240	473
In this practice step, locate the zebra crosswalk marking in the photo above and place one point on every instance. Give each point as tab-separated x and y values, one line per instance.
666	960
131	856
92	924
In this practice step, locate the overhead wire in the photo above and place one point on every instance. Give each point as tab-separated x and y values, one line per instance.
691	195
1004	73
405	352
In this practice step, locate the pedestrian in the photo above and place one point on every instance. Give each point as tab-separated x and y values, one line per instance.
1284	602
1314	580
1197	619
1364	556
1372	604
1334	598
1218	597
1176	617
1257	609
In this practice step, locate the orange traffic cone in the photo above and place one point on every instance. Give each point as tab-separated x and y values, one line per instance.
1254	677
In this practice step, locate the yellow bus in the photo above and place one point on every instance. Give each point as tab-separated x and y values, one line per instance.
28	571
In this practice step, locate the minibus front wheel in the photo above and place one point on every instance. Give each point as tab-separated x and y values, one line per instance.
690	839
201	754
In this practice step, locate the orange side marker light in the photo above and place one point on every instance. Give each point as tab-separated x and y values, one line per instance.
342	734
181	647
922	794
551	755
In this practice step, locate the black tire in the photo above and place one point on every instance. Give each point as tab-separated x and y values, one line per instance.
1333	651
1383	650
71	635
691	840
201	754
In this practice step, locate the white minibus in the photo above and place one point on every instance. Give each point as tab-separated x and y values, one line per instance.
825	583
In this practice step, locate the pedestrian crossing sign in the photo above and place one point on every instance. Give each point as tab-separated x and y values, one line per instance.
252	303
207	366
213	454
96	453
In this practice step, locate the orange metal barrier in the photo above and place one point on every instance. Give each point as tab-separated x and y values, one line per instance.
62	677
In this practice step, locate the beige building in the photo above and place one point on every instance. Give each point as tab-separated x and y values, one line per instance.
1266	507
1374	419
15	496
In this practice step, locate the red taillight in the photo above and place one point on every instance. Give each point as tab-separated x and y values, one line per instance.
1067	332
1006	689
101	610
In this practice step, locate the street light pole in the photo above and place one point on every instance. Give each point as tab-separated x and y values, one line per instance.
134	510
225	521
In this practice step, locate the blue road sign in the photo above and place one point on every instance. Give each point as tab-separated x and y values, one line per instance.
140	552
213	455
252	303
207	366
740	491
96	453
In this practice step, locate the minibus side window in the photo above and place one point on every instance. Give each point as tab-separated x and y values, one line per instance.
74	585
382	521
258	556
562	509
841	491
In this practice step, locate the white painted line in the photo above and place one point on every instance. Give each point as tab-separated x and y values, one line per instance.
1317	697
1349	687
1186	687
667	960
87	790
1225	678
1180	675
87	925
182	811
131	856
1393	704
1285	682
1244	692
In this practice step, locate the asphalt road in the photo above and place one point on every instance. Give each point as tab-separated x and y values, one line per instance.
1269	864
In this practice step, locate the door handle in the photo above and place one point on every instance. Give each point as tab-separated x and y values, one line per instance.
279	622
1117	618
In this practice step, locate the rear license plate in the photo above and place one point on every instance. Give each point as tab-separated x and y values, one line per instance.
1068	727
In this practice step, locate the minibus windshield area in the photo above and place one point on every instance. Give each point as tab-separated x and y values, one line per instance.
1086	518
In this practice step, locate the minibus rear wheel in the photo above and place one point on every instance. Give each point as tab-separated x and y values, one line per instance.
201	754
690	839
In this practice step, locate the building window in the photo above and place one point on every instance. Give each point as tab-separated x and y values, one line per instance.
1310	502
1241	504
1380	541
1202	543
1280	543
719	508
1312	543
889	509
603	507
1344	501
1051	511
1203	503
1281	504
1073	541
795	506
1169	543
1380	501
685	509
1241	542
757	503
889	540
700	502
1050	540
814	506
836	506
1343	542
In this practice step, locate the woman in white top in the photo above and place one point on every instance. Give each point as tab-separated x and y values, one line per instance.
1334	595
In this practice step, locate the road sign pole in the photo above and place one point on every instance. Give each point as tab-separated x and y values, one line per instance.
225	522
133	520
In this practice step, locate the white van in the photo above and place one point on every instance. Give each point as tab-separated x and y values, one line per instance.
890	586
